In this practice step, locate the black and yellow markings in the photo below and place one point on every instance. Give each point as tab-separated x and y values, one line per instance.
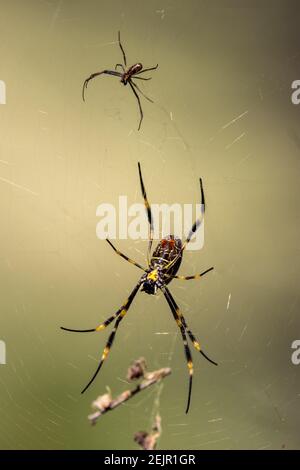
153	275
122	311
194	228
144	194
148	211
187	278
181	324
191	367
196	345
193	339
195	276
131	261
198	222
119	315
105	353
167	254
180	320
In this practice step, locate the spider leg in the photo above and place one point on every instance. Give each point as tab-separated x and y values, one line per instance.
141	78
124	256
135	85
108	72
188	354
149	213
198	222
193	230
121	47
139	103
120	65
112	337
107	322
182	319
105	353
195	276
147	70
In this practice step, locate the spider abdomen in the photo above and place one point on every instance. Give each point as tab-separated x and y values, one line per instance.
134	69
168	249
131	71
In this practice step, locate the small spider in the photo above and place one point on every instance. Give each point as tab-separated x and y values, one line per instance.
127	76
162	268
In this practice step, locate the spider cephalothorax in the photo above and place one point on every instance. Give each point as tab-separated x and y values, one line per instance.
162	268
126	76
152	282
134	69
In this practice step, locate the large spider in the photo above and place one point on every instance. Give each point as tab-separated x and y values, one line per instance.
127	76
162	268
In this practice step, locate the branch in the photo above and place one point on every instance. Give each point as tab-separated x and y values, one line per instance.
105	403
148	441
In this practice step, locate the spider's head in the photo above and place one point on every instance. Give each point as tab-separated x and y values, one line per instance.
150	283
150	287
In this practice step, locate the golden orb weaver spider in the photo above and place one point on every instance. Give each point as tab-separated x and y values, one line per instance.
126	77
162	268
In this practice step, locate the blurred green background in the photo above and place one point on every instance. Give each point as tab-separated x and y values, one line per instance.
222	111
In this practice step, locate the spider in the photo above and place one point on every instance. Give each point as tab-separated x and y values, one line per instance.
127	75
162	268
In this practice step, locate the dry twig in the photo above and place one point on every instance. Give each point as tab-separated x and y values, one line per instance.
148	441
105	403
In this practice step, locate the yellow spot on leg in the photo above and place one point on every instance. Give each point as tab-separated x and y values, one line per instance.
105	353
191	368
100	327
123	313
197	345
178	312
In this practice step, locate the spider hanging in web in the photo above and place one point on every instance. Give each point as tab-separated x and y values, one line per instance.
163	266
127	76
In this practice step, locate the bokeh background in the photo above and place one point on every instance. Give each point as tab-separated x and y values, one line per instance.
222	111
